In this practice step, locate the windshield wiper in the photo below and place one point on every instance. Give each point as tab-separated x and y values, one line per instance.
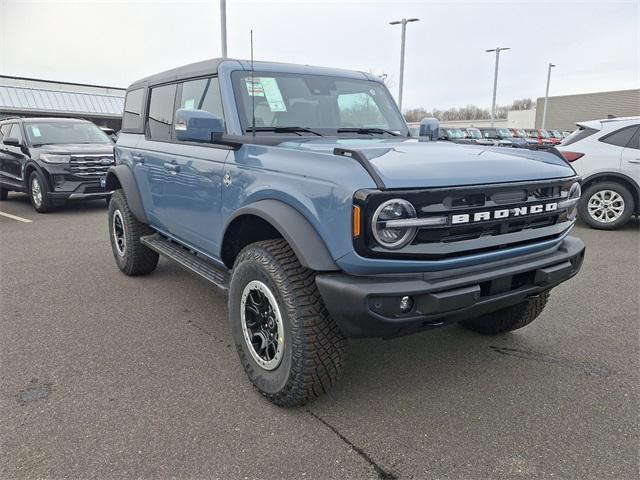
283	130
367	131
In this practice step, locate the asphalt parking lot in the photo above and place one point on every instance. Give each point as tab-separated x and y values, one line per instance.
108	376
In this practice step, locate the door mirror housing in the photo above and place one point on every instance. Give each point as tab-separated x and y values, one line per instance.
12	141
197	126
429	128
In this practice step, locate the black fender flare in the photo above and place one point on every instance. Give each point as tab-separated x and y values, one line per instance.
121	176
295	229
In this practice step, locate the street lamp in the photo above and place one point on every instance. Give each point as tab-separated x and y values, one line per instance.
402	22
223	27
546	96
495	80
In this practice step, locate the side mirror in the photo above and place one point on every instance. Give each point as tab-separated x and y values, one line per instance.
12	141
429	127
197	126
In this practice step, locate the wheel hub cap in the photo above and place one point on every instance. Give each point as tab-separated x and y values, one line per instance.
262	325
36	192
606	206
118	233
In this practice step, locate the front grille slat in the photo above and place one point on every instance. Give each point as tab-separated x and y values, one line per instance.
90	165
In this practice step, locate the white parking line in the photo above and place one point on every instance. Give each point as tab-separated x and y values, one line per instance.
14	217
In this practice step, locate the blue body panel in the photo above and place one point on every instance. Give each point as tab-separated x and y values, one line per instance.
184	195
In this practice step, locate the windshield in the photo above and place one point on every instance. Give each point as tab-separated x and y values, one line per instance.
474	133
556	133
454	133
521	133
51	133
544	133
324	104
505	133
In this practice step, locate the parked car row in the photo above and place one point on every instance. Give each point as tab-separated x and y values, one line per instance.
534	138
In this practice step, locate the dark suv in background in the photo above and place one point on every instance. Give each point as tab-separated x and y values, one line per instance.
53	160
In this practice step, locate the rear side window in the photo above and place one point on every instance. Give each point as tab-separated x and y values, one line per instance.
620	138
4	130
635	141
161	112
203	94
132	115
582	132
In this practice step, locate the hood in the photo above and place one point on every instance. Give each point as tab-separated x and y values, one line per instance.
76	148
410	163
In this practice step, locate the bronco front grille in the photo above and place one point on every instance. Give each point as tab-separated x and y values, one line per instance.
467	237
90	165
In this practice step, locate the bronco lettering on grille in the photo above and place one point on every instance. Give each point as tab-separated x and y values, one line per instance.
503	213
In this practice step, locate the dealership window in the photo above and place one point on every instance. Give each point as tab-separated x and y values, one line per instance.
132	115
203	94
161	112
620	138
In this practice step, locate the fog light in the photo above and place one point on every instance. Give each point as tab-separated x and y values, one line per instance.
406	304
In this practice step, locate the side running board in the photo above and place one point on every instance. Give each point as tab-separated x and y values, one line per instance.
188	259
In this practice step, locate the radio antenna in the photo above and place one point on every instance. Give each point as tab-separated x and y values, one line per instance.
253	93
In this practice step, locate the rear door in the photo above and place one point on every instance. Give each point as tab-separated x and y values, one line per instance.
630	158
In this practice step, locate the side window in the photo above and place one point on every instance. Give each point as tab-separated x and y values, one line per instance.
15	132
132	115
4	130
621	137
161	112
635	141
360	108
203	94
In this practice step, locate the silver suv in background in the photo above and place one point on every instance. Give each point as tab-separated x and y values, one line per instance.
606	154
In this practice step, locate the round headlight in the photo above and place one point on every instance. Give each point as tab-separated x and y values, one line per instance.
573	198
387	224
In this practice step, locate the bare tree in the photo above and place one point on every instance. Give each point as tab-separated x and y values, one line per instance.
469	112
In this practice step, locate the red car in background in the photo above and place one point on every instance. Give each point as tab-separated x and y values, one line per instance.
542	136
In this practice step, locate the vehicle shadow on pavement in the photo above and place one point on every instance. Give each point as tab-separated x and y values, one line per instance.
72	207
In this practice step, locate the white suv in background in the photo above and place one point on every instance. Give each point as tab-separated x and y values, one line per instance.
606	154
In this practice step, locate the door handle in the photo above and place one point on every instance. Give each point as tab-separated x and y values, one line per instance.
137	158
634	160
172	167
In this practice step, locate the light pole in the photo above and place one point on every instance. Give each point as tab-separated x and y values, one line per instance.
546	96
402	22
495	80
223	27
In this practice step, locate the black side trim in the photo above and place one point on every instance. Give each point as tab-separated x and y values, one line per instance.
188	259
121	176
295	229
362	159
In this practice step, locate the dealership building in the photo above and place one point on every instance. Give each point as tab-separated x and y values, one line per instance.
30	97
564	111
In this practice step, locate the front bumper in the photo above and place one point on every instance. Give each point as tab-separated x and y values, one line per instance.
368	306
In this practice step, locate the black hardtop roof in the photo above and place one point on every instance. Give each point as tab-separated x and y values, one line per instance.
209	67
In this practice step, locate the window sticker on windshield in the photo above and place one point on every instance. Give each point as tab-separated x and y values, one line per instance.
188	104
254	87
272	92
36	132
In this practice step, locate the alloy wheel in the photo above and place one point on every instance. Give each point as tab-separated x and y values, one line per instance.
262	325
606	206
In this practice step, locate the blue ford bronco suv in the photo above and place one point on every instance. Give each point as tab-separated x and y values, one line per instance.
300	193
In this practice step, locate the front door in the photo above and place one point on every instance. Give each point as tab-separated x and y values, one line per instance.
12	157
190	174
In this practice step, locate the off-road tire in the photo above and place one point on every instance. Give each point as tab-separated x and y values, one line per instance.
3	194
135	259
46	204
314	348
510	318
629	205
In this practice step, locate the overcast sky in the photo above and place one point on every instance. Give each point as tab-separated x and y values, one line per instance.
595	44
